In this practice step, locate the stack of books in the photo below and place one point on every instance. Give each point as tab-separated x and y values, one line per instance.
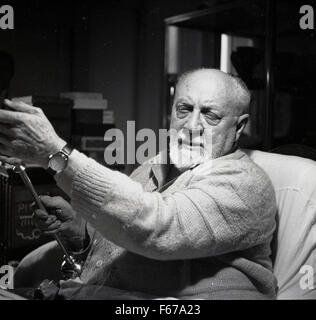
86	100
108	117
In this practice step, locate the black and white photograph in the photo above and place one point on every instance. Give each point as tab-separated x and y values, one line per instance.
158	151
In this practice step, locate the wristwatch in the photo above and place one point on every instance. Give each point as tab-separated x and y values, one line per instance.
57	162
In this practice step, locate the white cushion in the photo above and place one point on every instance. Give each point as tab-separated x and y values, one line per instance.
294	180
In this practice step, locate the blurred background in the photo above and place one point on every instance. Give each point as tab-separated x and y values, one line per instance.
131	51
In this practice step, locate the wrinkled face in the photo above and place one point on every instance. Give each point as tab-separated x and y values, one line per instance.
204	121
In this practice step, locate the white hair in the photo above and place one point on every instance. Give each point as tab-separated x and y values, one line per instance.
241	94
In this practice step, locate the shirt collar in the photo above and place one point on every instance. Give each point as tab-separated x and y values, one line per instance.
160	168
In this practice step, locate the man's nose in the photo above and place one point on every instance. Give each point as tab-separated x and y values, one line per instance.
194	122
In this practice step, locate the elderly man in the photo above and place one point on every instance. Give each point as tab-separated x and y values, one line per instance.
198	228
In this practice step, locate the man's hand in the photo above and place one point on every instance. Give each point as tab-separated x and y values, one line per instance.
61	219
27	134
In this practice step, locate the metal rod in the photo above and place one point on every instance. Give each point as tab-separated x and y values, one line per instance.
20	169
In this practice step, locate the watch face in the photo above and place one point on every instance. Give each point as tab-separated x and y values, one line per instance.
58	162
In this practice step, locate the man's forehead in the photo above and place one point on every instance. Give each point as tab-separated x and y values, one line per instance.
207	85
205	78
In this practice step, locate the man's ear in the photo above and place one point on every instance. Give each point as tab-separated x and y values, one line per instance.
241	125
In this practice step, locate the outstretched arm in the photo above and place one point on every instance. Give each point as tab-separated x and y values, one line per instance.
211	217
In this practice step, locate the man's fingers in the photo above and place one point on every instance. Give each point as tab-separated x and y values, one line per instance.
50	223
20	106
3	158
53	227
58	207
51	219
60	214
10	160
6	130
10	117
47	223
40	214
53	202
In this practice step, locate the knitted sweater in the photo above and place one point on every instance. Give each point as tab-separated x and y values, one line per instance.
206	236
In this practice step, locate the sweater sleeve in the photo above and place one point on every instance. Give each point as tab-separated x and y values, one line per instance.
213	216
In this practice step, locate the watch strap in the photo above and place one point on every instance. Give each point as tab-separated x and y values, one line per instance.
67	150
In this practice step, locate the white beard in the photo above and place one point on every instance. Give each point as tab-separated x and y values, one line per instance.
184	156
